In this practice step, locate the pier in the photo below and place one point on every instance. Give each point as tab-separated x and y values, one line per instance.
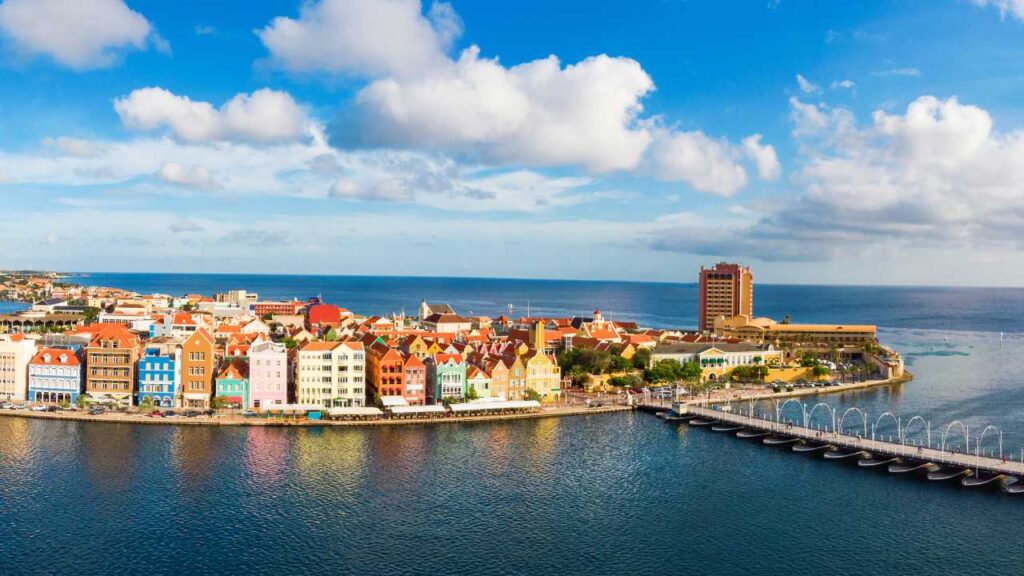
899	455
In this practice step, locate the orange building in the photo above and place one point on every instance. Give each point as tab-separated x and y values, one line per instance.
384	371
198	365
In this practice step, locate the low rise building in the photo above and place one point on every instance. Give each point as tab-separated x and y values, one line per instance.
232	384
110	365
716	359
55	375
446	377
331	374
198	363
16	351
159	374
816	336
268	374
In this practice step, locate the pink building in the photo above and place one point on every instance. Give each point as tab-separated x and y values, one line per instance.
268	374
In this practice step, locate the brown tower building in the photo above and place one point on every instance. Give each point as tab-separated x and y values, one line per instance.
725	290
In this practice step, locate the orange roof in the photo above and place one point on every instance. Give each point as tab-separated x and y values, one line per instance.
55	355
319	346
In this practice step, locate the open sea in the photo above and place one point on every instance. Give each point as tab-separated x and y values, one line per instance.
617	494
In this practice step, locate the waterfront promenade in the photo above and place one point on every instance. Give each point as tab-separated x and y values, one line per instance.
239	420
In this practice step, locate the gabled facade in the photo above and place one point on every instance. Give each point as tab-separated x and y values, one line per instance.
542	374
54	375
198	365
232	384
16	352
268	374
478	381
385	372
415	380
159	375
110	365
446	377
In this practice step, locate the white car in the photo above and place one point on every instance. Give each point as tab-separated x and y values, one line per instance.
39	408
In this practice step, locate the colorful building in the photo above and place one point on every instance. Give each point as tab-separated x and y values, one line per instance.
446	377
479	382
198	363
110	365
543	375
415	380
232	384
16	352
385	373
55	375
331	374
268	374
159	378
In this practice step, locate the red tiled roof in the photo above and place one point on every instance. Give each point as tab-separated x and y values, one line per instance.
70	359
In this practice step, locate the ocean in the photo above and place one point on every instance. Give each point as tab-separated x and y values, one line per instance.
601	494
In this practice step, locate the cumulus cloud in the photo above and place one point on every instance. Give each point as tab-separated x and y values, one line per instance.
842	85
806	86
707	164
197	176
939	175
362	37
764	156
539	113
78	34
1013	8
264	117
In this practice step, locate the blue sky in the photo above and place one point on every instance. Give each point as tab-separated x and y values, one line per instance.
821	142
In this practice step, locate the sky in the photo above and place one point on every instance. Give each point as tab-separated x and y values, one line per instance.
854	142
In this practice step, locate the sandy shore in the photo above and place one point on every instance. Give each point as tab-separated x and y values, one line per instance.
236	420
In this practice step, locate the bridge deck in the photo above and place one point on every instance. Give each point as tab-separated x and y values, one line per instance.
875	447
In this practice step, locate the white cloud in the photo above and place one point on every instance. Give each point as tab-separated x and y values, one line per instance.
937	177
912	72
539	113
806	86
204	30
79	34
195	177
364	37
76	147
265	116
842	85
764	156
707	164
1014	8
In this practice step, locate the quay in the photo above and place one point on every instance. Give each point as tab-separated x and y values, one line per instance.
898	458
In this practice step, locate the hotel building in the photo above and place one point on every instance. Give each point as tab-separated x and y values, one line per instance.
331	374
725	290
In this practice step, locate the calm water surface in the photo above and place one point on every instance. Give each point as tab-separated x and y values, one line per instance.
612	494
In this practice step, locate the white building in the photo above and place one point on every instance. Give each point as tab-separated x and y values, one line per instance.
16	352
331	374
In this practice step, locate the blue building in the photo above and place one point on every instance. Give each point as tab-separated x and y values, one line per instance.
158	376
55	375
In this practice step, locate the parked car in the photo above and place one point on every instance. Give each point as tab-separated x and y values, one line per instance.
39	408
7	406
191	413
249	414
96	411
209	412
169	413
155	414
53	408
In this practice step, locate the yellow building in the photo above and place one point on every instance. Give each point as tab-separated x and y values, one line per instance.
543	374
762	330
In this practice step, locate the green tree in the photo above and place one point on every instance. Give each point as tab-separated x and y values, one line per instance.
219	403
691	372
620	364
83	400
642	358
289	342
471	394
91	314
532	394
820	370
331	336
808	360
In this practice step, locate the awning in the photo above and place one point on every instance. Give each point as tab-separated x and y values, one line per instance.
389	401
490	406
432	409
355	411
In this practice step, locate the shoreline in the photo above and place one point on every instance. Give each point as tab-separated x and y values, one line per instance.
241	421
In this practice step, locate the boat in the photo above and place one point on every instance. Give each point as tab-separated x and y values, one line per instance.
983	479
701	422
673	417
837	455
912	466
806	448
875	462
780	440
943	474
